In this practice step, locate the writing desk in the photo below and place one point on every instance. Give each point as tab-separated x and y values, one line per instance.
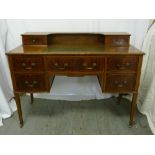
109	56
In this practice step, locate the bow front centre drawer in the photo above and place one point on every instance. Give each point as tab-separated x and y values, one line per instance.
124	63
120	82
30	82
74	64
28	63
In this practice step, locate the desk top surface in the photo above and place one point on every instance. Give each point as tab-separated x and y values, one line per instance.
75	33
74	50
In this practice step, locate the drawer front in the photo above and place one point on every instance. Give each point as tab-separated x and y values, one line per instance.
87	64
34	40
122	63
30	82
28	63
120	82
59	64
117	40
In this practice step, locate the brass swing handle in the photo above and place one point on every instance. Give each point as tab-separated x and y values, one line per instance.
122	67
88	67
61	68
31	84
120	84
28	67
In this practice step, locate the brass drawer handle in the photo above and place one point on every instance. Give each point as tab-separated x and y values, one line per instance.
31	85
125	82
120	84
33	64
91	67
61	68
123	67
120	67
26	82
28	67
66	65
35	82
56	64
94	64
23	64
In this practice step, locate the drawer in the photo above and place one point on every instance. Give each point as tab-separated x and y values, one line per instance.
124	63
90	64
120	82
75	64
117	40
30	82
34	40
59	64
28	63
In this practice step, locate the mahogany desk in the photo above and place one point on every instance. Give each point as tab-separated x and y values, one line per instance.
109	56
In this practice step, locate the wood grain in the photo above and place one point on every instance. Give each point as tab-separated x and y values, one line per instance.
109	56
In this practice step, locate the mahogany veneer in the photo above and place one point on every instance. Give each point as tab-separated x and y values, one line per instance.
109	56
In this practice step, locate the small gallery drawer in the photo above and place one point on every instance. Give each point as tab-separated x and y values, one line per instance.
28	63
90	64
124	63
120	82
30	82
34	40
117	40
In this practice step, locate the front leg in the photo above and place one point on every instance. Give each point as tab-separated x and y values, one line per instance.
133	109
119	98
31	94
18	103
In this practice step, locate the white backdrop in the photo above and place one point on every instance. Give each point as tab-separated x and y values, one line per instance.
136	27
14	28
146	99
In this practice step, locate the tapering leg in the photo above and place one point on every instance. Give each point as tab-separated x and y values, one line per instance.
31	94
17	97
133	109
119	98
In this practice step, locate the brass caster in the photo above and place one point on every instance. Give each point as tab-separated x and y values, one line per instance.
131	124
21	125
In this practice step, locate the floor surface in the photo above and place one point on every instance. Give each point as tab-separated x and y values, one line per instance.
93	117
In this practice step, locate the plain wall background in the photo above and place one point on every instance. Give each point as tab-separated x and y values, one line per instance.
136	27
